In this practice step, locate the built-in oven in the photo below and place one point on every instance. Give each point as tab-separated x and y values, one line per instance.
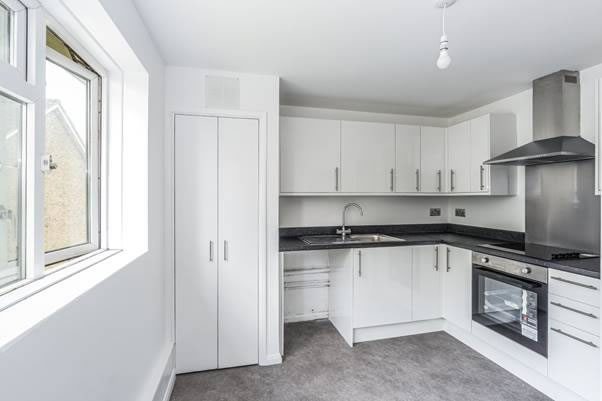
511	298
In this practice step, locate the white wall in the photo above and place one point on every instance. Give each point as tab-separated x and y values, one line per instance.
185	92
111	342
297	211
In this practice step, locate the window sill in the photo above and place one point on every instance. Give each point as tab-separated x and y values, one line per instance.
27	306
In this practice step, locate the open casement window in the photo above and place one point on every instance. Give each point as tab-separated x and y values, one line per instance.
72	139
11	194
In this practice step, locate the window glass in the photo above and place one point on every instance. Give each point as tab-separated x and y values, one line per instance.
11	131
66	191
5	34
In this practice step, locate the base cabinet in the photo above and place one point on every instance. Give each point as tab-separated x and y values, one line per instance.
426	283
382	286
457	286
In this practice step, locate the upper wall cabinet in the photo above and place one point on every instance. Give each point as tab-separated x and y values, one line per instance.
432	160
367	157
407	161
329	157
459	157
310	156
492	135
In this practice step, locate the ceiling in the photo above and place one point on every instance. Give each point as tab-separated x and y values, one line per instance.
380	55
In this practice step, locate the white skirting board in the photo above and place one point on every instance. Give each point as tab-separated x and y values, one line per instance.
397	330
306	317
168	378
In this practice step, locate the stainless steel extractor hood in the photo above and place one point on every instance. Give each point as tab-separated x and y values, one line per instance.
556	126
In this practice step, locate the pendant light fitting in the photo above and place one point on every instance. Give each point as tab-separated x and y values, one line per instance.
444	59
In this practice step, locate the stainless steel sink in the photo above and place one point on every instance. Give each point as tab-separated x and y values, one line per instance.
349	239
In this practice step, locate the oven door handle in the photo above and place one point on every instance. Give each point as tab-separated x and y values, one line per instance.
525	285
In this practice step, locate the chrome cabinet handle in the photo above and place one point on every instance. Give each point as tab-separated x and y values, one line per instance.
210	251
563	280
417	180
558	304
591	344
436	258
447	267
439	180
359	257
451	180
336	179
481	177
226	251
392	172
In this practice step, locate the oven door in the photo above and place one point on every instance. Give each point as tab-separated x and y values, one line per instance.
513	307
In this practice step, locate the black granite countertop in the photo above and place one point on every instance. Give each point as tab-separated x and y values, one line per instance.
466	237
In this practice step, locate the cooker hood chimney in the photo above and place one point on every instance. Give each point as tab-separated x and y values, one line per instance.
556	130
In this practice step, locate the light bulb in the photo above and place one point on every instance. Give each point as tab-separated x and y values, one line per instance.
444	60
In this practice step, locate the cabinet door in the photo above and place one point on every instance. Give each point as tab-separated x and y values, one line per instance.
195	203
574	359
432	159
238	184
426	282
407	158
382	286
480	152
457	287
458	157
367	157
309	155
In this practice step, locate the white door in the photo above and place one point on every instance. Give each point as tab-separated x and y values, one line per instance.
196	253
457	287
480	151
458	157
382	286
367	157
310	153
238	195
432	159
407	158
426	282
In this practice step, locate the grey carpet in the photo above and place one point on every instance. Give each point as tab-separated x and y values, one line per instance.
319	366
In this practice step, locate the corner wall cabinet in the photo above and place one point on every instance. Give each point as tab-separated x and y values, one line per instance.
216	204
325	157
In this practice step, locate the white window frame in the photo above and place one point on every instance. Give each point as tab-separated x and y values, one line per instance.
25	82
93	155
18	38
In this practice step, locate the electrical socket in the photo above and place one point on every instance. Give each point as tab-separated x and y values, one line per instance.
435	211
460	212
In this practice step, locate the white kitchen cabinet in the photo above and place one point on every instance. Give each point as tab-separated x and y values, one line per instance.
217	230
407	158
426	282
574	359
432	159
459	158
382	286
310	155
457	286
490	136
367	157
